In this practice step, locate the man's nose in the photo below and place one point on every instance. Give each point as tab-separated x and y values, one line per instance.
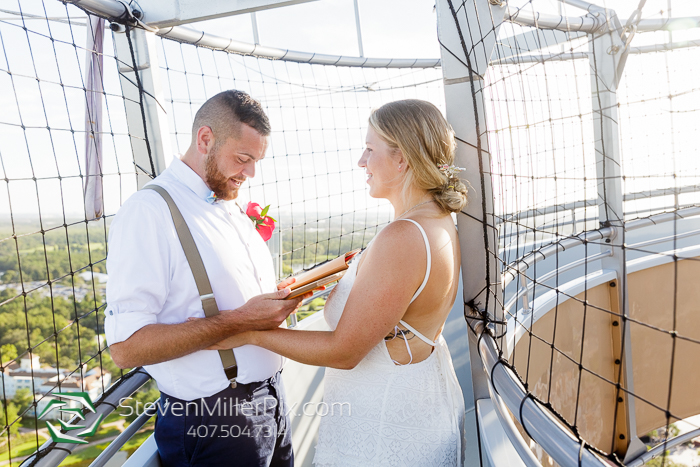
249	169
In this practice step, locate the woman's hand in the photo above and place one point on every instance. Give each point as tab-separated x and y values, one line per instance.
237	340
286	283
291	280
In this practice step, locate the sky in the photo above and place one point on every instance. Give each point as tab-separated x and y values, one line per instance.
318	113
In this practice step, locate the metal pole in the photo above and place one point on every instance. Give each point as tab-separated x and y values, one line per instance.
359	30
606	52
254	21
116	444
150	143
465	57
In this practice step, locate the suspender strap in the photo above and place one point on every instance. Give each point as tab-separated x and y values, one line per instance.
228	359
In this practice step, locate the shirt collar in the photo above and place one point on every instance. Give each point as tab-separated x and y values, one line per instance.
191	180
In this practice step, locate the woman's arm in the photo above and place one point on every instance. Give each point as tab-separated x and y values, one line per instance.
392	271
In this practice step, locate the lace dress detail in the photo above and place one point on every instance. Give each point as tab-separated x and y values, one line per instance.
383	414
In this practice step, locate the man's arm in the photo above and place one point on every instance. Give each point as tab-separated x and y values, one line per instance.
156	343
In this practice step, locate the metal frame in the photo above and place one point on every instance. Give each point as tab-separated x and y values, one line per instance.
521	265
358	27
607	62
545	429
150	143
506	389
592	22
526	286
192	36
125	436
588	24
512	451
660	448
463	65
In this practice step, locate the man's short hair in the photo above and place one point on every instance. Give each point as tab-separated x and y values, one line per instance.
225	112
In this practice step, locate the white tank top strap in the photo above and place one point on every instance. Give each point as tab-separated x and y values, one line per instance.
418	334
427	251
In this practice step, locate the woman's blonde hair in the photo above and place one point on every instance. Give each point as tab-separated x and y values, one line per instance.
419	130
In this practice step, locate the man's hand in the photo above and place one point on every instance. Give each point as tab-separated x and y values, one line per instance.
158	343
267	311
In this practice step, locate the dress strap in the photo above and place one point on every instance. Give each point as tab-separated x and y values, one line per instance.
427	251
422	286
418	334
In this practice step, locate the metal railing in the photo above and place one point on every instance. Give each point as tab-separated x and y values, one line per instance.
51	453
125	436
538	422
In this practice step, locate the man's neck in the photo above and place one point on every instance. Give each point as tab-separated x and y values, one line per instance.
195	161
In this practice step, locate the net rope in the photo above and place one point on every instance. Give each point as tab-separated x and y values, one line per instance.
308	177
53	255
319	116
541	158
539	94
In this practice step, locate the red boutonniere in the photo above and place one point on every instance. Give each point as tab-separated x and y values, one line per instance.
264	224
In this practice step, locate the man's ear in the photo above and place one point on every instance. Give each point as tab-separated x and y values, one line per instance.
205	140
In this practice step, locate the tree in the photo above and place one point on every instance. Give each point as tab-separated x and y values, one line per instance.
8	416
23	398
8	352
662	461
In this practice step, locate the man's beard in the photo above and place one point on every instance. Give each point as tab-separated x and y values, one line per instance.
217	181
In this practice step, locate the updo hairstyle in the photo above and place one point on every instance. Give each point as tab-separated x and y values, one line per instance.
427	140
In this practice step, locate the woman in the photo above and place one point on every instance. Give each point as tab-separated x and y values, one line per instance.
385	355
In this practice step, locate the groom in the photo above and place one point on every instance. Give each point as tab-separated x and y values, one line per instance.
203	419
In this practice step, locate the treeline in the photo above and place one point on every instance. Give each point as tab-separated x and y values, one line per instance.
63	333
304	245
52	255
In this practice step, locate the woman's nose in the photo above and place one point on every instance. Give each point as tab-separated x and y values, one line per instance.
363	160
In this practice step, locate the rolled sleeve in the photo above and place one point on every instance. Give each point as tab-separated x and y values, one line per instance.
121	322
138	265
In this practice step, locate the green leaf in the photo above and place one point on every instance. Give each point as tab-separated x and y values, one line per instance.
264	211
272	219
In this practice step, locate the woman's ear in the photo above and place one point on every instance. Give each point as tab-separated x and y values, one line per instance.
400	160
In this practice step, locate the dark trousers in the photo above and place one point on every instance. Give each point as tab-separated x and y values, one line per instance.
242	426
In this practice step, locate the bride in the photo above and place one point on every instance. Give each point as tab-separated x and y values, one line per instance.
388	363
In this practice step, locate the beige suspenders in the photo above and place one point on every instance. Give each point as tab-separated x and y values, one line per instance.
228	359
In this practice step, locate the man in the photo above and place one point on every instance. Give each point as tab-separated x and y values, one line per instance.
152	295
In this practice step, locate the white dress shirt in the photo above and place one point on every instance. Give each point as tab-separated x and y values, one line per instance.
150	280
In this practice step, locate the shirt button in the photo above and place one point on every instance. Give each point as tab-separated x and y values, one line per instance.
110	312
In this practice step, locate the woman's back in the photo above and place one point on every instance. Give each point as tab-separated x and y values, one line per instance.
428	312
392	414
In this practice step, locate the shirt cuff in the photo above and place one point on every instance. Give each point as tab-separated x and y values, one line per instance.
120	326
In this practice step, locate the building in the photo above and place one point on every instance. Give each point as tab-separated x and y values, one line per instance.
30	375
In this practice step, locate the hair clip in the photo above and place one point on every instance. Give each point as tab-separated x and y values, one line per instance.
450	171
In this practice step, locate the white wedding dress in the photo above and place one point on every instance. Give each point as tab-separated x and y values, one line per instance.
384	414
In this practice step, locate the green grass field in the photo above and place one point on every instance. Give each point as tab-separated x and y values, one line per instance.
21	446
